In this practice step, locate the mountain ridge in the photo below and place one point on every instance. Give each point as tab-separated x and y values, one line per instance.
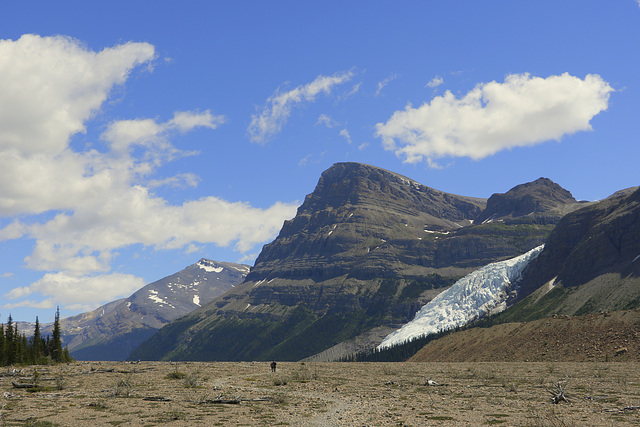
367	248
111	331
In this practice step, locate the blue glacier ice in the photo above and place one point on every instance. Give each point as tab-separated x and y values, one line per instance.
476	294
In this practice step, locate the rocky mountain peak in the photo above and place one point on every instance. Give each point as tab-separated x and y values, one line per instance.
540	201
349	183
354	209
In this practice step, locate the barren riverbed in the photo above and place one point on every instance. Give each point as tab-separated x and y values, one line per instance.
323	394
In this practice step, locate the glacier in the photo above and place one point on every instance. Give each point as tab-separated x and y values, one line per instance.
475	295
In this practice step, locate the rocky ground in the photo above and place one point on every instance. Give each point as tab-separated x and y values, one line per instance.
602	337
323	394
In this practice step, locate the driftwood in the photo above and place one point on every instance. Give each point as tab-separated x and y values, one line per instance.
430	382
558	393
221	401
12	373
157	399
625	409
22	385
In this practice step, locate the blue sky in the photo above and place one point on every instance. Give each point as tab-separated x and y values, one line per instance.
137	137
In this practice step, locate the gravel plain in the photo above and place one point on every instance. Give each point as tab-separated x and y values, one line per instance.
321	394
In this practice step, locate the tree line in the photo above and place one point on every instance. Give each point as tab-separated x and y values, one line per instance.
17	349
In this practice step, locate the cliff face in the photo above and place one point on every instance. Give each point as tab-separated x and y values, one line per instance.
590	263
365	222
367	248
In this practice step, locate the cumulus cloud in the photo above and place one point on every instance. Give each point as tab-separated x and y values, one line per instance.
521	111
76	291
81	207
268	123
51	85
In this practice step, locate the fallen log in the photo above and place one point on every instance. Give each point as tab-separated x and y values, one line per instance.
220	402
157	399
22	385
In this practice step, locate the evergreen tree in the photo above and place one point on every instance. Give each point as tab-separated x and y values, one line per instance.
36	344
56	341
3	356
15	348
9	342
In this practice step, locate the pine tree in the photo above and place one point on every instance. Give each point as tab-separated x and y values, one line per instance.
17	345
15	348
3	356
56	341
9	342
36	343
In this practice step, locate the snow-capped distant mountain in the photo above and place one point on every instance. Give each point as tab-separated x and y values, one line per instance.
111	331
482	292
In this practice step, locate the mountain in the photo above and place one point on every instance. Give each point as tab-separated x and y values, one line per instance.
111	331
590	263
541	201
366	249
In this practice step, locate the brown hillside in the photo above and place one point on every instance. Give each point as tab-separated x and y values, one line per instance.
613	336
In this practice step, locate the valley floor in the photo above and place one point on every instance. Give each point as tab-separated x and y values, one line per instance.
323	394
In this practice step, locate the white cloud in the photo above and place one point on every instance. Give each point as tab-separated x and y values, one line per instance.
182	180
84	241
326	120
384	83
44	304
51	85
80	208
275	113
303	161
355	89
77	290
122	135
346	135
522	111
435	82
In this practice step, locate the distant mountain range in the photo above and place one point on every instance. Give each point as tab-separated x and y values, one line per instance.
111	331
366	250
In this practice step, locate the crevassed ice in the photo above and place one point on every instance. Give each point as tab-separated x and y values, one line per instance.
473	296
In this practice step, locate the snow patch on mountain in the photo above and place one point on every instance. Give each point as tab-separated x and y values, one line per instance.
481	292
244	269
153	296
196	300
209	266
